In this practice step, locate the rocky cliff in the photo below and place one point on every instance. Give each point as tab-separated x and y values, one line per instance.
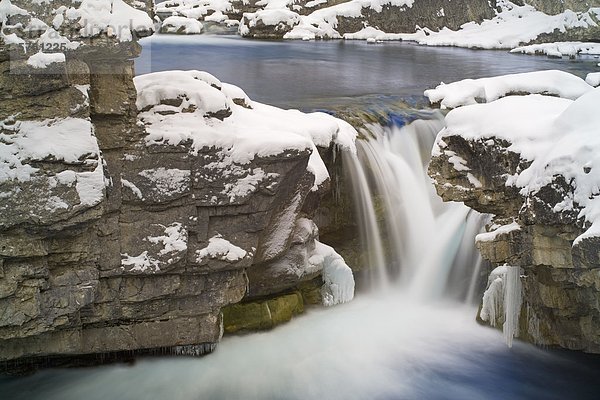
529	162
133	211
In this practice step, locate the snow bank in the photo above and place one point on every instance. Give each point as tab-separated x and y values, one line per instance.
323	23
113	17
182	106
175	24
472	91
593	79
43	60
558	135
221	249
559	49
194	9
372	34
512	27
84	19
280	19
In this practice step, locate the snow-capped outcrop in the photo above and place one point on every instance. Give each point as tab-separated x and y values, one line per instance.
560	49
533	151
497	24
132	209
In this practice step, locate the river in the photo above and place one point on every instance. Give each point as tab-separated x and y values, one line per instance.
387	343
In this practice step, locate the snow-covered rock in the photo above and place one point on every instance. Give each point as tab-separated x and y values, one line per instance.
268	23
512	27
472	91
559	49
593	79
535	159
181	25
193	106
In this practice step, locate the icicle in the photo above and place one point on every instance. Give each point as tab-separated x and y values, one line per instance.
503	298
338	281
512	304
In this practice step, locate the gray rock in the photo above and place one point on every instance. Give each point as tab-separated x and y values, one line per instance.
561	292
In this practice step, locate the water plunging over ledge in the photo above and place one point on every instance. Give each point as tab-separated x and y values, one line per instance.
412	337
424	239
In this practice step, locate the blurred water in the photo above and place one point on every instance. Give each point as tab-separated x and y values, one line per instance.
377	347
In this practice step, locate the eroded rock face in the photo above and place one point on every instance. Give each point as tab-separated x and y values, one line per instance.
112	240
432	14
553	7
560	305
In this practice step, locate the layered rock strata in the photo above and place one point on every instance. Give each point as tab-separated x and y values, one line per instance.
132	211
526	160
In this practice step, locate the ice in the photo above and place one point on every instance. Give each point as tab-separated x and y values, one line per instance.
503	298
338	280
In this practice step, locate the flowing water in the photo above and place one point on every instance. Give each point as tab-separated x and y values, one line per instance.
429	241
414	335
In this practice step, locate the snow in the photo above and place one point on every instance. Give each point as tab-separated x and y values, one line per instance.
166	181
221	249
472	91
558	135
185	25
174	240
560	49
43	60
272	17
497	230
365	34
243	135
593	79
322	23
140	263
113	17
246	185
68	140
8	9
509	29
338	281
195	9
134	189
503	296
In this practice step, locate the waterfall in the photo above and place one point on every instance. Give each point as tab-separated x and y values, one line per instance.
415	240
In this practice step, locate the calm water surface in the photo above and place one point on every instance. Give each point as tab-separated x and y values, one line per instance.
300	74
